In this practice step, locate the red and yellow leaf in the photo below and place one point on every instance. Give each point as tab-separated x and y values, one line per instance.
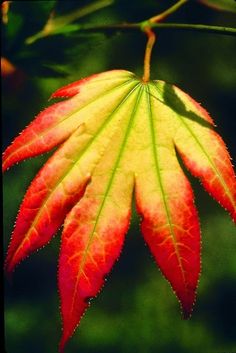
119	137
56	123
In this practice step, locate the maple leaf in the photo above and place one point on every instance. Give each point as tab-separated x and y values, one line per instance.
118	136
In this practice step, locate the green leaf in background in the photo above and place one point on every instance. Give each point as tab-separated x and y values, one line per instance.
23	19
49	57
59	24
224	5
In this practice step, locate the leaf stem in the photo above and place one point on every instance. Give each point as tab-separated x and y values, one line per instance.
167	12
148	52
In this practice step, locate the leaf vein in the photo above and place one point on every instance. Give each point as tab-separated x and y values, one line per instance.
61	179
106	193
160	182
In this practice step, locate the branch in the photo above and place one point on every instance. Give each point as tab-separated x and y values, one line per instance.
167	12
196	27
63	24
160	26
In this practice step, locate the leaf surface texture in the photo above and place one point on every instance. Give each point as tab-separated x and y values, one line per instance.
118	137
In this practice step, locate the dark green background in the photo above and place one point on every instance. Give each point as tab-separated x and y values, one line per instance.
136	311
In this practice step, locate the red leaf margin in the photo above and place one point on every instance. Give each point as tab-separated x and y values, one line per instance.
188	296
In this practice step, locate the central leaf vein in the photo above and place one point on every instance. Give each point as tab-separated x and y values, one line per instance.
109	185
160	182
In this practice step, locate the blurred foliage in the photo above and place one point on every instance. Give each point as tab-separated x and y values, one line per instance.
226	5
137	310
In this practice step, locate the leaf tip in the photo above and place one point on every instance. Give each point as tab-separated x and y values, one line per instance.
71	89
66	335
8	273
187	311
65	92
9	268
187	303
61	347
